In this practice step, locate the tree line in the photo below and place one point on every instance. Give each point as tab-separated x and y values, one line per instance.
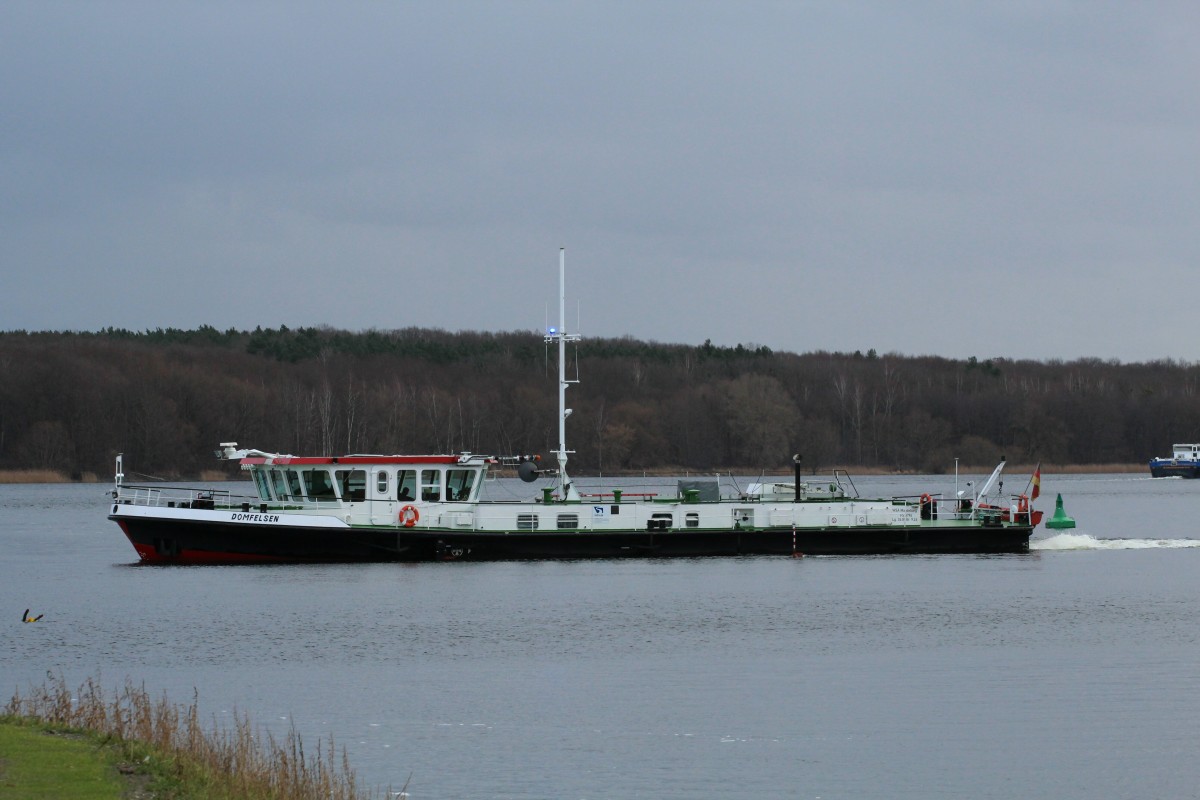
70	401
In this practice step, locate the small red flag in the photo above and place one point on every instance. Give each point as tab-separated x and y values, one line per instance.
1037	483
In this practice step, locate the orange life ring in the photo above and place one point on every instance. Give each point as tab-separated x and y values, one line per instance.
1022	504
926	499
409	516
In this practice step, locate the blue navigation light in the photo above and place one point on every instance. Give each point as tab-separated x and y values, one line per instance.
553	331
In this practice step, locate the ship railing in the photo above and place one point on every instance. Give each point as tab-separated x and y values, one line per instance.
842	478
935	506
618	495
1017	510
182	497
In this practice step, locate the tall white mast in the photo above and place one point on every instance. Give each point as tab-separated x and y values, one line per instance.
559	334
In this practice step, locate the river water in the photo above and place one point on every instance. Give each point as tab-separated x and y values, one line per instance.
1070	672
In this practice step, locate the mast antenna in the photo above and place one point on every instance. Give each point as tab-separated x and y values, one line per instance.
561	337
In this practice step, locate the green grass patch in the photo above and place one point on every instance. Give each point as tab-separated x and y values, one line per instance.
45	760
37	762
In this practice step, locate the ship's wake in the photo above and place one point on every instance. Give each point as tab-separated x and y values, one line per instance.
1081	541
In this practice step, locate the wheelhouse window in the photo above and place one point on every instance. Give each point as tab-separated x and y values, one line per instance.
286	483
318	484
431	485
381	482
459	483
293	482
353	483
263	485
406	485
279	484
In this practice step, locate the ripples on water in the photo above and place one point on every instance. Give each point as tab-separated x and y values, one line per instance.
1067	673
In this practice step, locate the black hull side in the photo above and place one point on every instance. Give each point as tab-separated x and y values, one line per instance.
179	541
772	541
1182	471
193	541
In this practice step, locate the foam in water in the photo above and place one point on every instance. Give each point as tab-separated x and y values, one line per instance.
1081	541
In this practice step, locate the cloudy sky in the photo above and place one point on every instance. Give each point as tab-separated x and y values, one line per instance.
1016	179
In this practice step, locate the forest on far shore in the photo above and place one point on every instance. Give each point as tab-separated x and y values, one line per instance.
70	401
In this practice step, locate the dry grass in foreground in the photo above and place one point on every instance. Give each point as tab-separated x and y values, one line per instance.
237	762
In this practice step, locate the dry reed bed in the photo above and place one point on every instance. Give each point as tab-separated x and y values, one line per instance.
32	476
239	761
213	475
1010	468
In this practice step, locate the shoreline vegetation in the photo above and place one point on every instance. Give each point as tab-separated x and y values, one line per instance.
150	748
31	476
44	476
73	400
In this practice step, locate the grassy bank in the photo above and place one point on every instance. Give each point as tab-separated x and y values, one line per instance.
38	761
154	748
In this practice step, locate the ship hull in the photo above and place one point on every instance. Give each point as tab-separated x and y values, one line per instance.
1172	469
201	541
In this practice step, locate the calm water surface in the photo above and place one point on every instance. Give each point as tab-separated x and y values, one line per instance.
1071	672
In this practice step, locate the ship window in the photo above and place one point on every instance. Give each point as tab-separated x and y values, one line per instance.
431	485
262	484
293	482
353	483
692	520
406	481
381	482
527	522
568	521
279	483
459	483
318	484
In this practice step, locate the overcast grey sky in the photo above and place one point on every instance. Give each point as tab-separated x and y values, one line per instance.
1014	179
